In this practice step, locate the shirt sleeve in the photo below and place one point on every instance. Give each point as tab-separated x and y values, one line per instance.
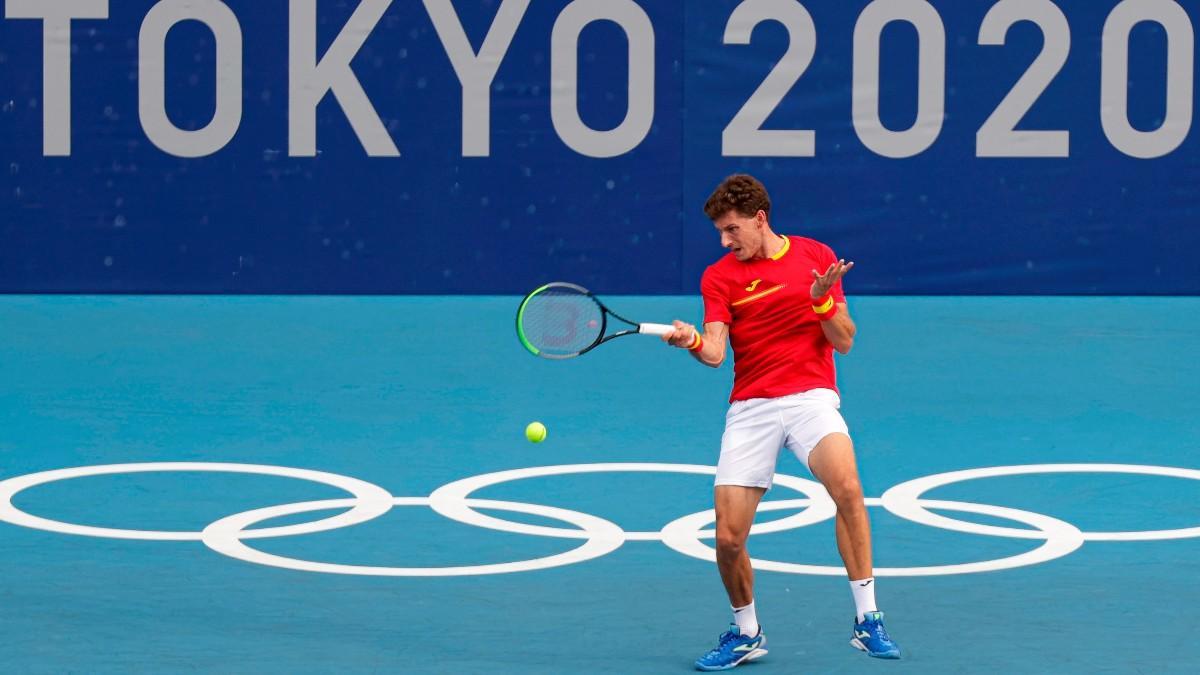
716	301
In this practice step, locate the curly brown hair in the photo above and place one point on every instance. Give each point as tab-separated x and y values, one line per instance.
740	192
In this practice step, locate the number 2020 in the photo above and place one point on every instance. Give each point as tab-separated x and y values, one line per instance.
998	137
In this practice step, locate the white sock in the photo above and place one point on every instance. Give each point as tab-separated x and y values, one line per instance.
864	597
746	619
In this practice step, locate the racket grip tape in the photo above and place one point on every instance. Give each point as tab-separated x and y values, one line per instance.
655	328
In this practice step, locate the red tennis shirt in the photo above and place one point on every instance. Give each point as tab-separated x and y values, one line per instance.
778	345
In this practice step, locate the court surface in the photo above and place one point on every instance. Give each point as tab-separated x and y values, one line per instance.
410	394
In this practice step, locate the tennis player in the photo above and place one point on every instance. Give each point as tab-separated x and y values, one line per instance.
779	302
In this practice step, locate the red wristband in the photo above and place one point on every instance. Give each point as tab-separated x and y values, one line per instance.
697	343
823	304
825	307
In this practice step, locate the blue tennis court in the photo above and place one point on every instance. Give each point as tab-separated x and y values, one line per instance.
406	395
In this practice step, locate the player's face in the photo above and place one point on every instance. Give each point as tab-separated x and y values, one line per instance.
742	235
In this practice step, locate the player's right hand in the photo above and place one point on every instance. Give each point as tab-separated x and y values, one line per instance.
683	335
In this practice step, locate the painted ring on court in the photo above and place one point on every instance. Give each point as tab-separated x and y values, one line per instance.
225	537
905	500
370	501
1061	538
450	499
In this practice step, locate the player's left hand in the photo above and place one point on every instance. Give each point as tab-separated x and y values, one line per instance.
822	283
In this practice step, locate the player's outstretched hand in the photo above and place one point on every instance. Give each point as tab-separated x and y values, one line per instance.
683	335
822	283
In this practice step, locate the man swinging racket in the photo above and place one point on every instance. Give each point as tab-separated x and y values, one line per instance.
779	302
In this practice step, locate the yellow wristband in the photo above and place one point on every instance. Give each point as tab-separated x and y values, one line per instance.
697	343
824	307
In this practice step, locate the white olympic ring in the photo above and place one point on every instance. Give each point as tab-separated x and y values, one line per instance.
1061	538
224	536
601	536
903	499
450	499
370	501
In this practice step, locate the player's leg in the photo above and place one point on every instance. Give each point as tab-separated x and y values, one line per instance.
735	507
832	463
744	641
749	451
819	437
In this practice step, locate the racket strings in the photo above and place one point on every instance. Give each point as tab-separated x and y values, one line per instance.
561	321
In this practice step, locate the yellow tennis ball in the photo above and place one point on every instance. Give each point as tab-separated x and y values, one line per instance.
535	432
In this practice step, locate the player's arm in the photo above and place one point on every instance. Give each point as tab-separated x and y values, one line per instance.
840	329
707	347
836	323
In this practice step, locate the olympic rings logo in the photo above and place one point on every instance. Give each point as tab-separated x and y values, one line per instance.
599	537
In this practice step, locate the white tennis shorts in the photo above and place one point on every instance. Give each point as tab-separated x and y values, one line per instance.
758	428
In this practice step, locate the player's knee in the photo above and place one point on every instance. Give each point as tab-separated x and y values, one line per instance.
846	493
730	543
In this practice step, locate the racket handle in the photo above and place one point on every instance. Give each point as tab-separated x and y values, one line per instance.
655	328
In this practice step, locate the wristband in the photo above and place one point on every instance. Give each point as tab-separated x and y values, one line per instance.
824	304
697	343
825	316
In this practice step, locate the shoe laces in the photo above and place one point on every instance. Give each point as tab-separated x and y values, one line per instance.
881	632
724	639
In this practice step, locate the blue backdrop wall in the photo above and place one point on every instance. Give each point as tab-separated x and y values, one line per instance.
487	146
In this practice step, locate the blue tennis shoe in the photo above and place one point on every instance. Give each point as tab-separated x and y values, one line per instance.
733	649
871	637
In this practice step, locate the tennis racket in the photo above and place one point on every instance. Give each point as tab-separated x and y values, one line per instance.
561	320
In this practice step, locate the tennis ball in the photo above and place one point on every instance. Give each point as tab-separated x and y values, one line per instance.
535	432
